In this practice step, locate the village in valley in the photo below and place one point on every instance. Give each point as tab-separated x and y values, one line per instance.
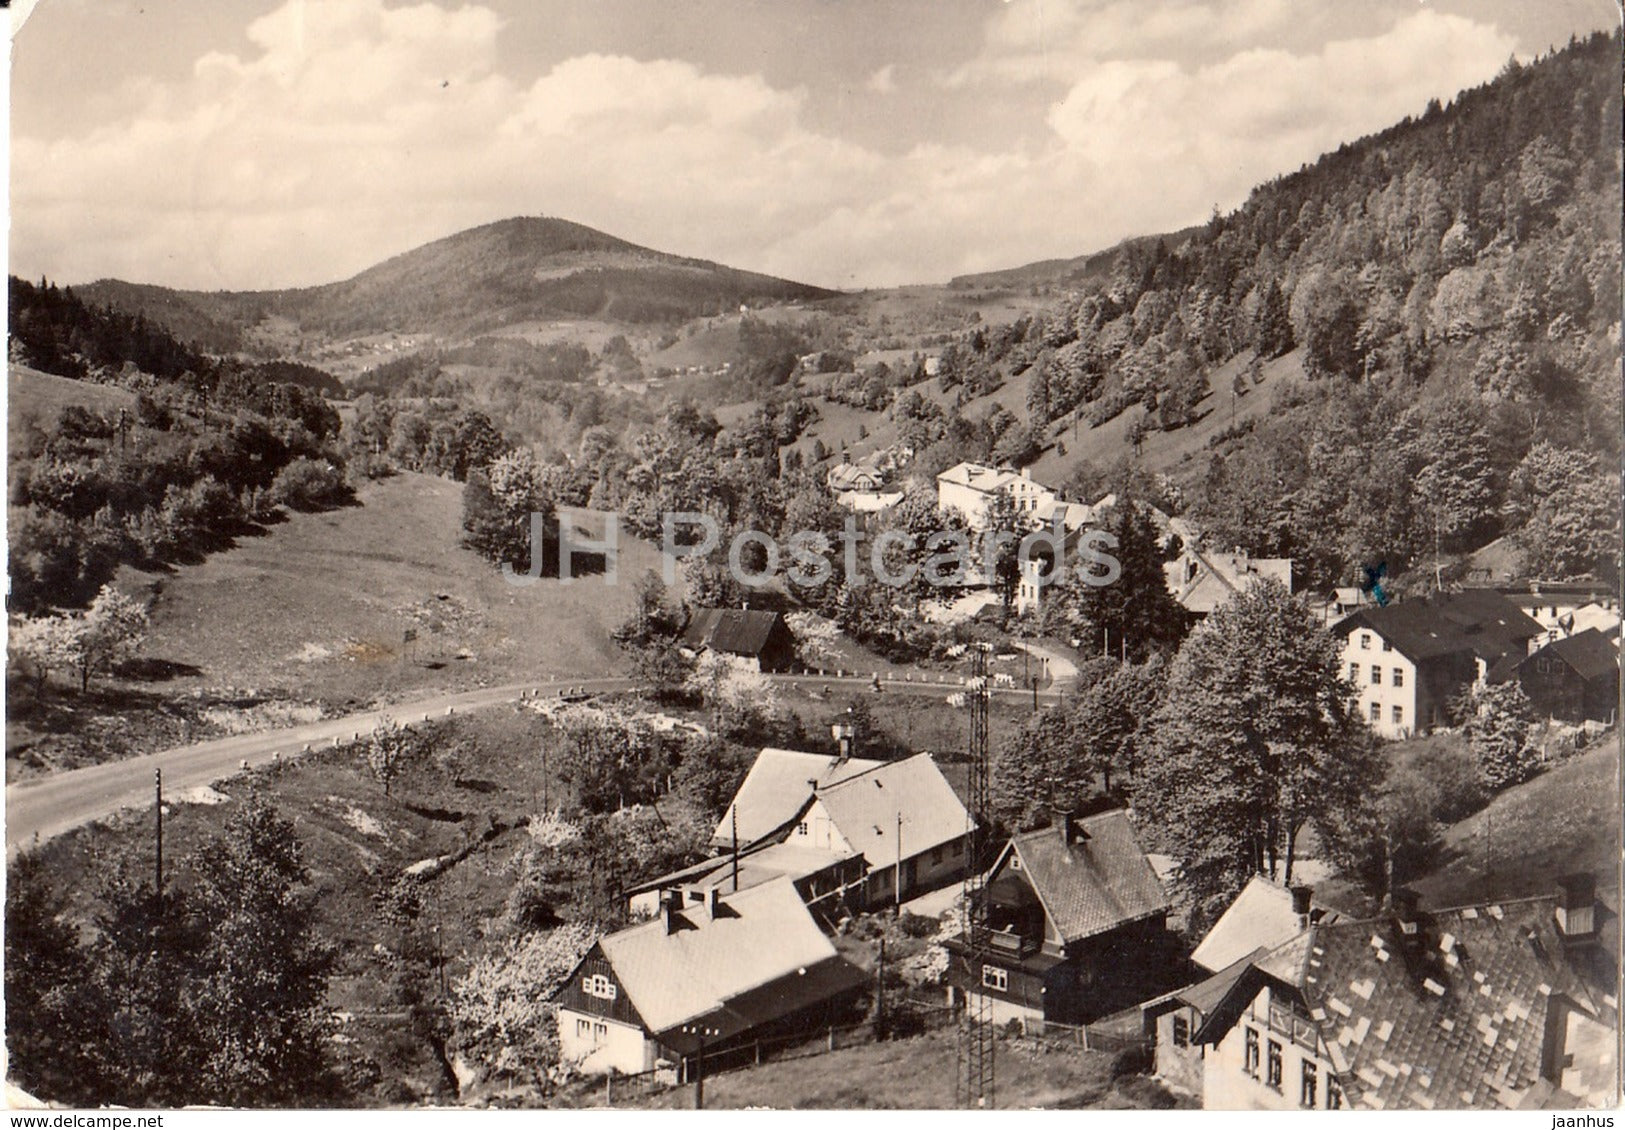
540	671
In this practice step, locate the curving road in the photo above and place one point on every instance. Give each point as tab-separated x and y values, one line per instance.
48	806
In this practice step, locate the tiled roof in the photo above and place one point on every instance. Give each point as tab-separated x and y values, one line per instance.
1456	1015
760	863
776	788
1219	576
1099	882
1479	621
977	476
1605	620
1589	652
1260	916
738	631
864	808
758	937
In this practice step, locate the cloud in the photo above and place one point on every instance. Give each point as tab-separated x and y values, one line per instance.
347	133
884	80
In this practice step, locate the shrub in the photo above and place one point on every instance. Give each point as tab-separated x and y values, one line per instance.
309	484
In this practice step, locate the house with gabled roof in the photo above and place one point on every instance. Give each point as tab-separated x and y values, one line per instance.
1201	580
1479	1007
1074	914
1574	679
776	788
702	978
759	639
1262	917
1409	659
970	488
860	832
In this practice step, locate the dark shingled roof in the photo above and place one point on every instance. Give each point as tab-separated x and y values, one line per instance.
738	631
1480	621
1459	1015
1100	882
1588	652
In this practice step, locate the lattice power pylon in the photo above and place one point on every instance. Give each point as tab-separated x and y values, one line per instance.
976	1035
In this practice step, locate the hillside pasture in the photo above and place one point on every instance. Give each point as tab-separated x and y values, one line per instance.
323	605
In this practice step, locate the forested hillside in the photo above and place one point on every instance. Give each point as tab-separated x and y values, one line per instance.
474	281
1453	287
208	449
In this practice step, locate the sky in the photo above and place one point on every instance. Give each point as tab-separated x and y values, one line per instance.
253	144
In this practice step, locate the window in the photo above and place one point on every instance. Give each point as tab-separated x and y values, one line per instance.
1306	1092
583	1028
600	1033
959	847
1182	1032
1399	715
1543	665
599	986
995	978
1376	712
1334	1094
1399	676
1365	640
1015	863
801	828
1250	1063
936	855
1386	646
1354	672
1376	675
1272	1075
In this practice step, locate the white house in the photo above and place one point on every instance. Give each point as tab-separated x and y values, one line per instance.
969	489
703	977
1487	1007
903	817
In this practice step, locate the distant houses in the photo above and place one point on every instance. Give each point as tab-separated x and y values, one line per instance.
1410	658
1075	914
705	976
1201	581
969	489
762	640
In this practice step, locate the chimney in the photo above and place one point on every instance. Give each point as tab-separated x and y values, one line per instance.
1406	903
713	899
1577	906
1302	899
670	902
1066	822
845	733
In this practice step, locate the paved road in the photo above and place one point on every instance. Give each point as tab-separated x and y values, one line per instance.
48	806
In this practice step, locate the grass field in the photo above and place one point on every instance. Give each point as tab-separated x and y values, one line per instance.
1565	820
31	394
916	1074
316	612
322	604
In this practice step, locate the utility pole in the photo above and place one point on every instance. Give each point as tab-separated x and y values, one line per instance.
733	816
158	836
899	875
880	992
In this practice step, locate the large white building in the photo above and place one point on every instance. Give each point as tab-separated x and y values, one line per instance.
970	488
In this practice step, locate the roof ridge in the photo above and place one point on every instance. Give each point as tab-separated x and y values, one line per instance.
875	768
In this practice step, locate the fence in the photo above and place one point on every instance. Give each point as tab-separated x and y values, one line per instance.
774	1049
